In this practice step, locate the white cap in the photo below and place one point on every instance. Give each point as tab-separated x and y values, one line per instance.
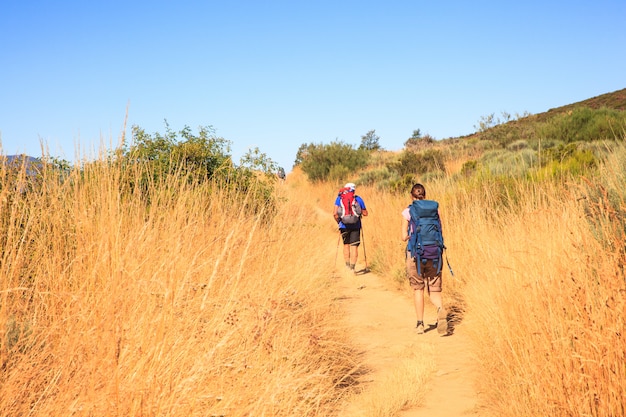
351	186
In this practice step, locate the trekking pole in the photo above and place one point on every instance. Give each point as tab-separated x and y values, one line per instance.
337	251
367	269
448	262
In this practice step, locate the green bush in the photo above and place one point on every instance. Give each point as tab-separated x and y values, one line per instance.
377	176
402	184
584	124
413	163
503	162
199	155
152	161
332	161
517	145
338	173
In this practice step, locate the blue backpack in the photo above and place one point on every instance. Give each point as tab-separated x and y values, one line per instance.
426	227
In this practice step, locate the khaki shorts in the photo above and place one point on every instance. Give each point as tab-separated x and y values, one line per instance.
429	275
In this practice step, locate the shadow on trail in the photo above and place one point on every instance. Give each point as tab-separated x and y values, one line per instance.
353	379
455	316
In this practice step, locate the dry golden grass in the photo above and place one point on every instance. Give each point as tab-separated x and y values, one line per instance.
189	308
186	308
544	301
404	387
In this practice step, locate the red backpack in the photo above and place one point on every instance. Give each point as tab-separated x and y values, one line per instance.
349	209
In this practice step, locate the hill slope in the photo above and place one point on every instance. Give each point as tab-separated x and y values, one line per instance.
615	100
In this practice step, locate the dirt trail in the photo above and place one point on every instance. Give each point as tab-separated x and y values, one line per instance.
382	323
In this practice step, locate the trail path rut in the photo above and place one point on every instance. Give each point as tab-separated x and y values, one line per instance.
382	322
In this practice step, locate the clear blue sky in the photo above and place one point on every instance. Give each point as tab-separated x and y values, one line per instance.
277	74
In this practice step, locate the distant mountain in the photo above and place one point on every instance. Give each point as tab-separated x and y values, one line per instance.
20	158
15	161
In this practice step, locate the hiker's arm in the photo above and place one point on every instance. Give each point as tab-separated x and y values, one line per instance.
336	213
362	204
405	229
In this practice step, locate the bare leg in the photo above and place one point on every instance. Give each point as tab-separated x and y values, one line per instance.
435	298
442	315
418	296
354	254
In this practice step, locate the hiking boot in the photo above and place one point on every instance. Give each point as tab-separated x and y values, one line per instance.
420	327
442	321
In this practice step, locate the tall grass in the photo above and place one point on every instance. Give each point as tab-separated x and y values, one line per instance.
545	299
185	302
539	283
187	306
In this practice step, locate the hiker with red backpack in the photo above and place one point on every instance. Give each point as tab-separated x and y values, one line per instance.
348	210
421	229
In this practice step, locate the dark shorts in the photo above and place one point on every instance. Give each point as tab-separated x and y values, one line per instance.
351	236
428	275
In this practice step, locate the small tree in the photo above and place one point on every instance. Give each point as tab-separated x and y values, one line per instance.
303	151
256	160
370	141
418	141
201	155
415	138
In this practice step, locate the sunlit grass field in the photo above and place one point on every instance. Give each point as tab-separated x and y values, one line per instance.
539	282
193	305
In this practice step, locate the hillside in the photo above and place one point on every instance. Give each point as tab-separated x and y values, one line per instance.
577	124
615	100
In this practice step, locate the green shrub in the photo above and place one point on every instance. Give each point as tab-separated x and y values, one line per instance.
338	173
413	163
198	156
378	176
402	184
469	168
431	176
503	162
319	162
584	124
153	161
517	145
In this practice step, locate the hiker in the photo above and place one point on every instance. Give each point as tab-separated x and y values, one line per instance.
280	173
424	257
348	210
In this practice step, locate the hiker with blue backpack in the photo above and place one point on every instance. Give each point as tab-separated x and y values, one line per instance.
348	210
421	229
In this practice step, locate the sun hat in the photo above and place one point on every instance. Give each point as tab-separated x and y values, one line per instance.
351	186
